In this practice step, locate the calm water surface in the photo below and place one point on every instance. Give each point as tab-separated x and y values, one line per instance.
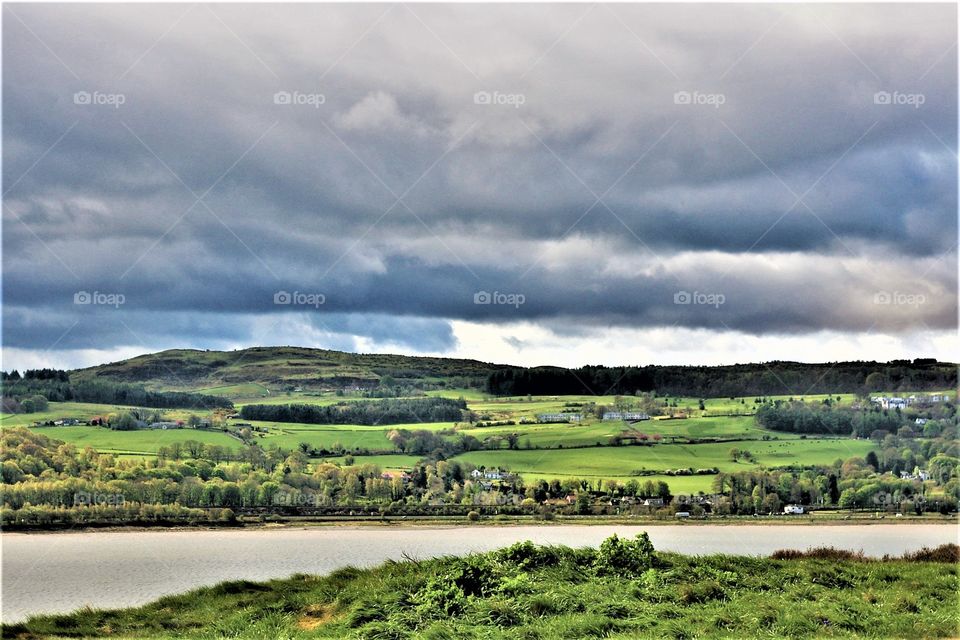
49	573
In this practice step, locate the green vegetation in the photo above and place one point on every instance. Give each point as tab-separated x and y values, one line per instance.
626	462
622	590
145	441
370	412
281	369
725	381
19	396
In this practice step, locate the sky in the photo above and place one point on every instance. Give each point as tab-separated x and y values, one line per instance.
529	184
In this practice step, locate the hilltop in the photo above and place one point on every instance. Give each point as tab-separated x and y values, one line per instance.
284	368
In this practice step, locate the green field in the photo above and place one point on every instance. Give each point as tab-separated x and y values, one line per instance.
619	462
389	462
141	441
289	435
557	450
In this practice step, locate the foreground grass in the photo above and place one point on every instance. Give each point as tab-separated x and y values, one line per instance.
529	592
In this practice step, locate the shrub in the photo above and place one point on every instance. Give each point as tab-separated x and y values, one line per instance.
624	558
944	553
473	516
819	553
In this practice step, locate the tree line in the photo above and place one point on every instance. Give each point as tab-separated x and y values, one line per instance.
773	378
56	389
365	412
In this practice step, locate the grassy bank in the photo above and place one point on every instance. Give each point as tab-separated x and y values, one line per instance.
622	590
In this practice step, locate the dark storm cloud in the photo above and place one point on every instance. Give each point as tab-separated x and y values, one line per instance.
790	191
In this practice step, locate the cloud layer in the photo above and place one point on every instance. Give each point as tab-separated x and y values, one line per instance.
760	170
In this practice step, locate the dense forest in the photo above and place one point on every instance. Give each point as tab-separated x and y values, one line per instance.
59	388
772	378
367	412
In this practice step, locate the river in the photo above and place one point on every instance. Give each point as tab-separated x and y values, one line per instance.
50	573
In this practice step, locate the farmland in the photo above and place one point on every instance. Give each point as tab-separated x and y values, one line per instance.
135	442
548	451
624	462
686	432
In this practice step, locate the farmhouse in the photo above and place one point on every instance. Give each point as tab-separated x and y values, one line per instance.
487	474
653	502
163	425
625	415
558	417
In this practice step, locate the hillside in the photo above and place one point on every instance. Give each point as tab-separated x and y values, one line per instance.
279	368
259	371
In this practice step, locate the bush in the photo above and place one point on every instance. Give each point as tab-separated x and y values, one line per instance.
473	516
625	558
944	553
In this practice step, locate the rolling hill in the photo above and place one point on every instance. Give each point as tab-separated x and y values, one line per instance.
279	368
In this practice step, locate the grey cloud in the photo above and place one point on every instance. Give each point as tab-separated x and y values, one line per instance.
308	204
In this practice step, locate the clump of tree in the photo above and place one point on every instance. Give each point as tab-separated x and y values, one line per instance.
367	412
801	417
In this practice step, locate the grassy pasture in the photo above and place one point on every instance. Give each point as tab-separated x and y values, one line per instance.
593	432
389	462
289	435
619	462
246	390
140	441
85	411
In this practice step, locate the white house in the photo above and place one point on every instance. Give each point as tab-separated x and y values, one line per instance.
626	415
558	417
653	502
488	474
793	509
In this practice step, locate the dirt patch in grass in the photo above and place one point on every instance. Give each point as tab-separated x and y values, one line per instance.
316	615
